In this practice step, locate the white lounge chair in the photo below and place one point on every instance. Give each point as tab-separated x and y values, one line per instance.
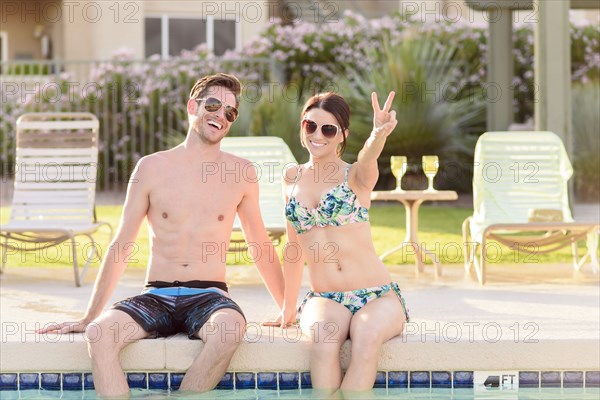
517	174
270	155
55	185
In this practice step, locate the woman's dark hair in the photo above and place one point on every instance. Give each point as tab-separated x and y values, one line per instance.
336	105
203	85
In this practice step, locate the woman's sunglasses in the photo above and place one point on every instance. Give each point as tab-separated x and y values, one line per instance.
213	105
328	130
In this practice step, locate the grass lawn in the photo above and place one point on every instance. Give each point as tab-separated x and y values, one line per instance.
439	229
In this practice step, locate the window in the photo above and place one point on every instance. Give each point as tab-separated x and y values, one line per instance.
224	36
152	36
168	36
185	34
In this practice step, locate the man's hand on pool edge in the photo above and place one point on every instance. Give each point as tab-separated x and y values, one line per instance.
65	327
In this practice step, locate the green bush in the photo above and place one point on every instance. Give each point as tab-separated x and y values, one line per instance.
316	54
586	125
278	114
29	68
242	124
433	114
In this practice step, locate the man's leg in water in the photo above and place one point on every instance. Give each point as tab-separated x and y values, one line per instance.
222	335
107	336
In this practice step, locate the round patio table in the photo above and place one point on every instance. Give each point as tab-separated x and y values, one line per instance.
412	200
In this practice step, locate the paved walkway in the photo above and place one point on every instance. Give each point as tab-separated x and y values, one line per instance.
559	302
528	317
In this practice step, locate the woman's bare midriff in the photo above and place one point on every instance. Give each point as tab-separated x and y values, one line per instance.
342	258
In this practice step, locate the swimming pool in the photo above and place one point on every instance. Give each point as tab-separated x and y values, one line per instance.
294	385
379	393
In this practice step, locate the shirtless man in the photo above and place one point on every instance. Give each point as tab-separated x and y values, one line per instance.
190	196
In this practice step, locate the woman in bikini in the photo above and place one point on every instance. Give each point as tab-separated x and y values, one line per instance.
352	293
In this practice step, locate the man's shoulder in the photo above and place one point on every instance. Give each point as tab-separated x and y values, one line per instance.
151	165
230	158
157	158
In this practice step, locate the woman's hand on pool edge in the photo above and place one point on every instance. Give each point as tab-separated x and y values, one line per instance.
276	322
65	327
289	319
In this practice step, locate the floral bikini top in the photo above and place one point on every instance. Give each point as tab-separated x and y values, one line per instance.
339	206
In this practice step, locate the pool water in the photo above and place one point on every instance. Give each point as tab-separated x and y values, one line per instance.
404	394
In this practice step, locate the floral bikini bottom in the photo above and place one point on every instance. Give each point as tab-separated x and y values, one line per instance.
354	300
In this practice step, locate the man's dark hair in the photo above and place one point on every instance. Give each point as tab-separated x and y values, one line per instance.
203	86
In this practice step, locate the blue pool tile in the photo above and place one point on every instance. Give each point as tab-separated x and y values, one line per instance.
29	381
419	379
550	379
266	380
158	381
72	381
137	380
176	380
529	379
573	379
8	382
592	379
380	379
463	379
289	380
441	379
245	380
305	381
397	379
50	381
88	381
226	382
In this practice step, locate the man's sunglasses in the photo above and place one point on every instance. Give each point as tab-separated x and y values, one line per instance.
328	130
213	105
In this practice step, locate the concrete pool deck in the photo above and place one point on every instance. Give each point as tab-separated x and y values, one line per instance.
527	317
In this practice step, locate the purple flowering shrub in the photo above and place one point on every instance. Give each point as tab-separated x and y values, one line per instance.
141	105
316	55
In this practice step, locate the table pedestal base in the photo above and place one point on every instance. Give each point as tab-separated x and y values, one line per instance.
412	227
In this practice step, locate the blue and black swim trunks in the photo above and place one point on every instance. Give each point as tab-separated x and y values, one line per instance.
167	308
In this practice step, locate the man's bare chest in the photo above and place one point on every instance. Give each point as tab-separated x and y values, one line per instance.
185	198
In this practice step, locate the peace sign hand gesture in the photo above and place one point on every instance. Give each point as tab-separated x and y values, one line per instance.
384	120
